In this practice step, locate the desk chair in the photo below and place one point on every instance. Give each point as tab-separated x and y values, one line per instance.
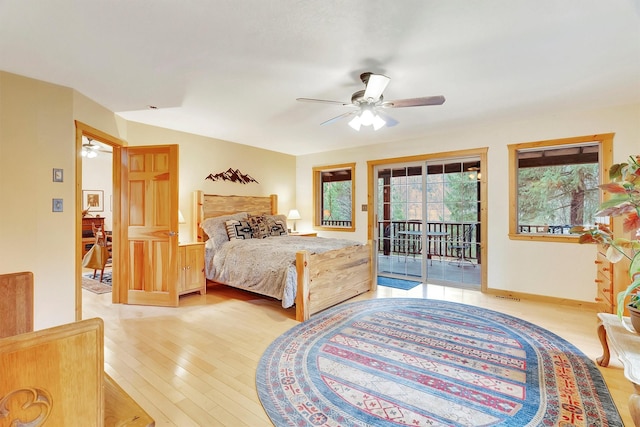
103	240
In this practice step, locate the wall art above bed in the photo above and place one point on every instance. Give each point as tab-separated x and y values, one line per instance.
233	175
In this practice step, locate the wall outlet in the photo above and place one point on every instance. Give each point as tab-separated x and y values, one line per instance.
364	208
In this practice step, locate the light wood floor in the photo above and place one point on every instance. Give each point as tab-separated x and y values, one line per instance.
195	365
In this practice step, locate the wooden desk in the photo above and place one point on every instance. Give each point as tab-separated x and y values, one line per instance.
627	345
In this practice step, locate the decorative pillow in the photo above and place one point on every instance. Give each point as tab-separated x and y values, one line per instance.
238	229
277	225
259	226
216	229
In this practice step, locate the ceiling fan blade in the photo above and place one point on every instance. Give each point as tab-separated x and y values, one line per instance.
390	121
376	84
323	101
341	116
414	102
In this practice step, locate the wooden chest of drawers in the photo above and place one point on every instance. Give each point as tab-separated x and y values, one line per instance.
604	281
610	279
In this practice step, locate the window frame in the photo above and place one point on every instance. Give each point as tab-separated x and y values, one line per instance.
605	160
317	196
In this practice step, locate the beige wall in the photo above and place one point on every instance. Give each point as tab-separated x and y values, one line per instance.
555	269
97	174
37	134
201	156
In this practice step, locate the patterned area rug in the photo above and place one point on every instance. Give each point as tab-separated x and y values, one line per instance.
420	362
94	285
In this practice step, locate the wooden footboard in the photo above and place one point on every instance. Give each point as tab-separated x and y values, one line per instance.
324	280
332	277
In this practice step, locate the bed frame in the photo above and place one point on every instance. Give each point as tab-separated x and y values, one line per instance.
324	280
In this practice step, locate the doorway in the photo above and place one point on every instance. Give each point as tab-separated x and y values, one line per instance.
429	222
97	211
97	195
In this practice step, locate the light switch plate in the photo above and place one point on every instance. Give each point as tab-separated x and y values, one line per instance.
364	208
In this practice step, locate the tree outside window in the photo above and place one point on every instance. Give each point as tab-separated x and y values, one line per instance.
554	185
334	187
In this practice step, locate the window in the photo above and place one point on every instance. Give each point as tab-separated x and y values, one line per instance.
554	185
334	187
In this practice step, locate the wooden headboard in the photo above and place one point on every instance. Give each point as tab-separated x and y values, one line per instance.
212	205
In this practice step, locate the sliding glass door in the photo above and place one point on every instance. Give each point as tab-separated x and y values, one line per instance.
428	223
400	216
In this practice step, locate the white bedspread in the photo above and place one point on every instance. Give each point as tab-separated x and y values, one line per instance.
265	266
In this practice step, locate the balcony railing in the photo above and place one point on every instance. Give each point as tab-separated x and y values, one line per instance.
443	239
544	229
335	223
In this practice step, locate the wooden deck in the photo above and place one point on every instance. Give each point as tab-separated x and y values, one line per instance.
442	271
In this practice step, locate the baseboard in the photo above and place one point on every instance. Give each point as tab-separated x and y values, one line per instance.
592	306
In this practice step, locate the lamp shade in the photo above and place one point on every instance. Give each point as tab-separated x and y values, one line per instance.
293	214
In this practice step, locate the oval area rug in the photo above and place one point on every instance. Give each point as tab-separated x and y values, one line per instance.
420	362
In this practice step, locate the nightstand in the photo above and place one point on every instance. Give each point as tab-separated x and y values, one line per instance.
304	233
191	268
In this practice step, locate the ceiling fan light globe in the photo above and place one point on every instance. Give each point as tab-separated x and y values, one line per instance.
356	122
378	122
367	117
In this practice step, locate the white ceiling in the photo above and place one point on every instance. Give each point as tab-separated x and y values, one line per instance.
233	69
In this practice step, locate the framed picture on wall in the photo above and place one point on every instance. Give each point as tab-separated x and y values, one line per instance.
93	200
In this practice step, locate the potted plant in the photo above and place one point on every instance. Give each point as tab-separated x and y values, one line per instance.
624	202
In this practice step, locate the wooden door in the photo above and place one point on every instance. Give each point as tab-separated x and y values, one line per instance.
149	225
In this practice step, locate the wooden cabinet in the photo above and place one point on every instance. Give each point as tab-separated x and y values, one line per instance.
610	279
191	268
604	281
88	239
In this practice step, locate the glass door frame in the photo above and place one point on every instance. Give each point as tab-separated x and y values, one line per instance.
372	229
399	235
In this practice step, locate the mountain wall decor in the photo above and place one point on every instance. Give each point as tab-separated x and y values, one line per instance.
231	175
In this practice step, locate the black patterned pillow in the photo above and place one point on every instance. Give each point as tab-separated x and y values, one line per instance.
238	229
259	226
277	226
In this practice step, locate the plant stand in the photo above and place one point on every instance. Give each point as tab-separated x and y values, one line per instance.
627	345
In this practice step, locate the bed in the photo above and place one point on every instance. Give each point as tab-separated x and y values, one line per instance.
319	273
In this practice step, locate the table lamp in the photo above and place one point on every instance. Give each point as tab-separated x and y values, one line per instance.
293	215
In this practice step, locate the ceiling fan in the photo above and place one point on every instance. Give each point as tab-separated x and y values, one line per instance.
90	148
369	103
